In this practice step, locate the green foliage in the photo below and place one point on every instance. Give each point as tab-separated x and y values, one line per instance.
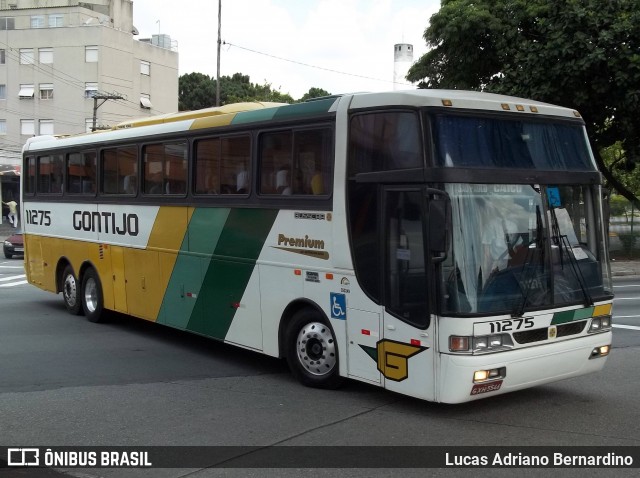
197	91
583	54
314	93
618	206
628	173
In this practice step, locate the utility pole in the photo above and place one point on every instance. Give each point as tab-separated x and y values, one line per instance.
104	98
219	43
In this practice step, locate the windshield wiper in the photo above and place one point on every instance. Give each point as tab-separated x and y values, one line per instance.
527	277
565	247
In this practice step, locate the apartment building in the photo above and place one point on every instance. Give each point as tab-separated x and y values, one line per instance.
61	61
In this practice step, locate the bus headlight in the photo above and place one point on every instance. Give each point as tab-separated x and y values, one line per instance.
480	344
600	324
492	343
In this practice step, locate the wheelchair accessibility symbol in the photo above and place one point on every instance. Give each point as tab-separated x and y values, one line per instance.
338	306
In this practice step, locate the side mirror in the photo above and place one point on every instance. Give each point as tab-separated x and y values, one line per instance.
438	224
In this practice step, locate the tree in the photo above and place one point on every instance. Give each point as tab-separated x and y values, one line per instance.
583	54
314	93
197	91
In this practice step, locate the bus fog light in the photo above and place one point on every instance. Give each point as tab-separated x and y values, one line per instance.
458	343
480	376
601	351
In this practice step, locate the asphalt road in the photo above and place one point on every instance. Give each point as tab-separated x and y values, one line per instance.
67	382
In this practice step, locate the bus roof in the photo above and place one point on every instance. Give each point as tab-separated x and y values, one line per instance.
244	113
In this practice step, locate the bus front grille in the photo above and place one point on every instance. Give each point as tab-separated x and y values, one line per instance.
538	335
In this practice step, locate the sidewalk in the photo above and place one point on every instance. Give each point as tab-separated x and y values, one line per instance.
618	268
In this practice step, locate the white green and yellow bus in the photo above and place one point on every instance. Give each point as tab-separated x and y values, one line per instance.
446	245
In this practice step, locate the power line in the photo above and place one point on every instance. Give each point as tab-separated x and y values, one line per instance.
313	66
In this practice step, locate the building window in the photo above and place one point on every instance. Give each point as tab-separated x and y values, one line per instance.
27	127
2	57
3	92
145	101
90	90
56	21
7	23
26	92
37	21
45	55
46	91
26	56
3	126
46	126
145	68
91	54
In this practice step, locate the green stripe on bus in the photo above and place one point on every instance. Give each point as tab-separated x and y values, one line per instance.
571	315
254	116
229	270
297	110
304	109
200	240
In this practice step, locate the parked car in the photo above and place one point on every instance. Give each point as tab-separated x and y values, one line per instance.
14	245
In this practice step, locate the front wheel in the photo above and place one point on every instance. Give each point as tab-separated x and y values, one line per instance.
71	292
312	353
92	300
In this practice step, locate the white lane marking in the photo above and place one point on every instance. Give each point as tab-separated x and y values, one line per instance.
631	327
626	298
13	284
624	286
5	279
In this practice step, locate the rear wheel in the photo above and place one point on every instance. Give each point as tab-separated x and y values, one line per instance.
92	300
71	291
312	353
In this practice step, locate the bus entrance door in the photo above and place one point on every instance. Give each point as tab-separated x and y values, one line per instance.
405	353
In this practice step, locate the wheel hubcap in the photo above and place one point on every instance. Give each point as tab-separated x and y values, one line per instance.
91	295
70	290
316	348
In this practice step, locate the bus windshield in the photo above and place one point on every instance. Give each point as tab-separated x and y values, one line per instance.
491	142
520	247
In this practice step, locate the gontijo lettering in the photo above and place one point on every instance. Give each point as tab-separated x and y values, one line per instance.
107	222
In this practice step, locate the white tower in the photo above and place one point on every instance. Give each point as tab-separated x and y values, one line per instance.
402	61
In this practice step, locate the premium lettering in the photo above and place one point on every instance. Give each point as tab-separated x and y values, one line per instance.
305	242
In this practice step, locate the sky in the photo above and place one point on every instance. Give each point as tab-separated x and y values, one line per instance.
340	46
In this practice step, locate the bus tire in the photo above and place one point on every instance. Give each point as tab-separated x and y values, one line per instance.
92	299
312	352
71	291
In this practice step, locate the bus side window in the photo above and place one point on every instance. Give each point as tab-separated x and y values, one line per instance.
297	162
120	170
81	173
275	162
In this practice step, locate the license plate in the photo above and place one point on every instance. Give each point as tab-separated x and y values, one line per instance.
486	387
